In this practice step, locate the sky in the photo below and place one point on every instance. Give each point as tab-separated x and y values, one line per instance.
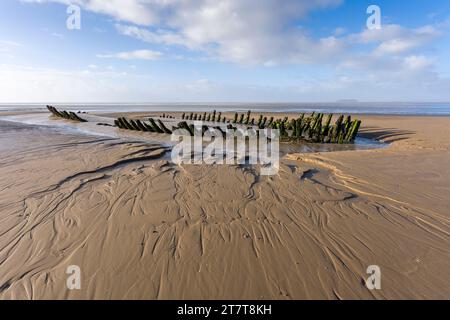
139	51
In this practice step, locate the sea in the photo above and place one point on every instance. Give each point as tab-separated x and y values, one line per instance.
347	107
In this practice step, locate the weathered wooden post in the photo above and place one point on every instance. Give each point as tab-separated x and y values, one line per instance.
185	126
298	128
134	125
140	125
155	126
326	127
123	124
337	129
235	118
260	121
148	127
351	135
163	127
247	120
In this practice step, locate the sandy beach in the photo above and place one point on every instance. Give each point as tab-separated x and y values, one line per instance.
141	227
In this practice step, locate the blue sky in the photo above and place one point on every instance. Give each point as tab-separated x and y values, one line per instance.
224	51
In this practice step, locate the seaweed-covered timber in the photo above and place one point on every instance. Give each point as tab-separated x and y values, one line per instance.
260	121
316	128
65	115
155	126
210	117
313	129
247	119
138	125
163	127
141	125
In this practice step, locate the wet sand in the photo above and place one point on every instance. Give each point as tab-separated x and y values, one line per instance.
141	227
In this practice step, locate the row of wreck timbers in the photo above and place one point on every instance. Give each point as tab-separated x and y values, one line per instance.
316	128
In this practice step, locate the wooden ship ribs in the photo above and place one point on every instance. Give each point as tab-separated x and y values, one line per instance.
65	115
316	128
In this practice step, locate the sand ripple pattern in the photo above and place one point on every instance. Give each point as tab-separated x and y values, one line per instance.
141	227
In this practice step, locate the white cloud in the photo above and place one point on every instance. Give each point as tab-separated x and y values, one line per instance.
135	11
266	33
30	84
133	55
266	49
7	46
246	31
417	62
19	83
8	43
240	32
158	37
234	30
339	31
405	40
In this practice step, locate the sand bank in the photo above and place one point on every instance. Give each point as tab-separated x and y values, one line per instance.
140	227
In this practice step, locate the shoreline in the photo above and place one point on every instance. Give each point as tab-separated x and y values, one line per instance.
224	110
141	227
